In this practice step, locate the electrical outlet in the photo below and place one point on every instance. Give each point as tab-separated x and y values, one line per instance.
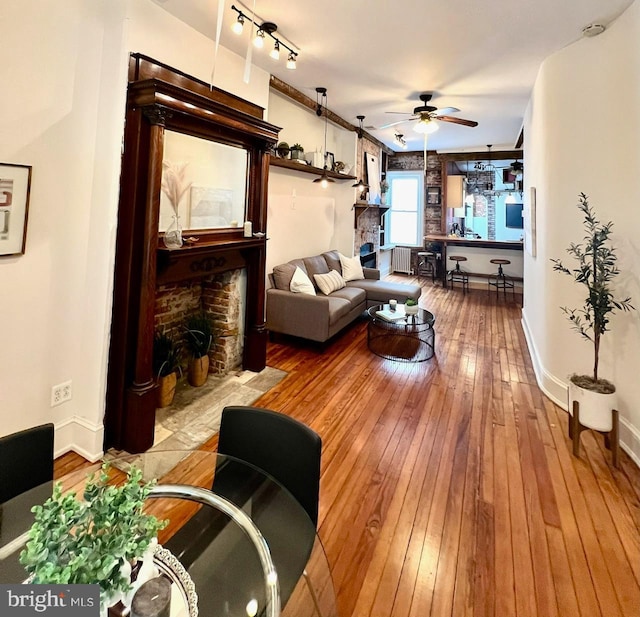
61	393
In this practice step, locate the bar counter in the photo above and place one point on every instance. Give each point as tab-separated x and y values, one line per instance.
479	252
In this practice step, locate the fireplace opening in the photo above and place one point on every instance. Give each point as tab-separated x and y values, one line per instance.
368	257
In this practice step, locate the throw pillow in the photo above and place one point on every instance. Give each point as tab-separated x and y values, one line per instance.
329	282
300	283
351	268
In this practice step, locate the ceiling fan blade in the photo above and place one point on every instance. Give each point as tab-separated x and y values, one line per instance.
445	110
458	120
386	126
406	113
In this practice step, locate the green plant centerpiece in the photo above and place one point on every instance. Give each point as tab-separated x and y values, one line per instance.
198	339
94	540
167	355
411	306
596	268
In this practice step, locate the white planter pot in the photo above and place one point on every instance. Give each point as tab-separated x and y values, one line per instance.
411	310
595	408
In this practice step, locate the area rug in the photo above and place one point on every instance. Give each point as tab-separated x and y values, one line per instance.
194	416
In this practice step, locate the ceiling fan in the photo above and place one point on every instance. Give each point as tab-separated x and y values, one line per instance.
426	114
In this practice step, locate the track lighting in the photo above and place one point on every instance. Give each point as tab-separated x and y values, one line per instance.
238	25
275	52
258	41
400	140
360	127
264	29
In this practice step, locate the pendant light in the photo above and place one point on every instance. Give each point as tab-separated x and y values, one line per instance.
324	179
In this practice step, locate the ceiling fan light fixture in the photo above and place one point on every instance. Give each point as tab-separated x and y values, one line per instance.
427	126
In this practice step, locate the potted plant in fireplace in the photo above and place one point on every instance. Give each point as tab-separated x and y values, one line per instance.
596	268
166	364
198	338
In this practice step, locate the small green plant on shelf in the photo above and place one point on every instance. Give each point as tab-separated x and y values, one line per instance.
297	151
282	149
92	541
411	302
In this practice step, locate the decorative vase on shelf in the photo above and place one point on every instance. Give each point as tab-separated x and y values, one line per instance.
383	199
173	234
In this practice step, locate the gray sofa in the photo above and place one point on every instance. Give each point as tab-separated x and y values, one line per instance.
321	316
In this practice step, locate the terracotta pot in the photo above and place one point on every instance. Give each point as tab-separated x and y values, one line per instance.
595	408
166	389
198	370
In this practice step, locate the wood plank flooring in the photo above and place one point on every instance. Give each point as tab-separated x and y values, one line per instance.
448	487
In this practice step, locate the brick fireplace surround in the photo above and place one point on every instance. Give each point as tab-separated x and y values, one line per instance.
221	297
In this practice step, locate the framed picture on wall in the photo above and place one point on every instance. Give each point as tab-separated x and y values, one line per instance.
329	161
15	183
433	195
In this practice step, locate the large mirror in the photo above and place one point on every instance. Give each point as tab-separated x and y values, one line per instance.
204	183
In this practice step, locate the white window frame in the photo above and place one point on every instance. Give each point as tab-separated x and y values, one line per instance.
396	207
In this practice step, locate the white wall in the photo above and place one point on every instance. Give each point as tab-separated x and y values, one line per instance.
571	146
303	218
64	85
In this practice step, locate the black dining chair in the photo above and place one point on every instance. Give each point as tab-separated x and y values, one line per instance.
289	452
26	460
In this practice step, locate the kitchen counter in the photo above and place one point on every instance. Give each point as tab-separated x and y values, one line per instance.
479	252
515	245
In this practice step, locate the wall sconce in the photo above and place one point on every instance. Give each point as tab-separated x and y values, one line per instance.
264	29
360	130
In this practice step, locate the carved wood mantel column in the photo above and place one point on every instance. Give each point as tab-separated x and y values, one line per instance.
160	98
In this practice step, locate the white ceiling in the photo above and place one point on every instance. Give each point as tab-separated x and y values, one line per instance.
377	56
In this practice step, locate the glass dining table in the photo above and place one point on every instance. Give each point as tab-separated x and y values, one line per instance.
235	536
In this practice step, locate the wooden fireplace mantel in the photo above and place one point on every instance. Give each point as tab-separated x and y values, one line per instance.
161	98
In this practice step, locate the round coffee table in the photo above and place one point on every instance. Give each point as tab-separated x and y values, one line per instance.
400	337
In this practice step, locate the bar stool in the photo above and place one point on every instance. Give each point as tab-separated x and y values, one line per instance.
426	265
457	275
500	280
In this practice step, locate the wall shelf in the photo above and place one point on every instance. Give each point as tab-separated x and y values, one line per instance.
309	169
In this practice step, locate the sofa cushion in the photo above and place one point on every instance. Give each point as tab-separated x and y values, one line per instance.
300	283
354	295
333	260
351	268
383	291
315	265
283	273
329	282
338	308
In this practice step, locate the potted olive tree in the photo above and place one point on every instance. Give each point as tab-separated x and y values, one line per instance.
596	268
166	364
95	540
198	339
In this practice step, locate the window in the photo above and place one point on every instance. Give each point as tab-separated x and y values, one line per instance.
405	215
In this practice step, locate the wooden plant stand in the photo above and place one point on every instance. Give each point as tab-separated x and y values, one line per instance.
611	438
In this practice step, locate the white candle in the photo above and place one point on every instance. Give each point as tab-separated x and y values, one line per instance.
248	231
393	304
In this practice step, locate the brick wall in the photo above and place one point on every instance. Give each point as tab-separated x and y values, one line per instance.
220	296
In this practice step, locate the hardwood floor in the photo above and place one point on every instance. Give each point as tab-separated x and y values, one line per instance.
449	488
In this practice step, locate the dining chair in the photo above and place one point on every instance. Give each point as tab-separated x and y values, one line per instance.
26	460
288	450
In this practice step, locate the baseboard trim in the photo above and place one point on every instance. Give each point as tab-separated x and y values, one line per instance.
557	391
81	436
